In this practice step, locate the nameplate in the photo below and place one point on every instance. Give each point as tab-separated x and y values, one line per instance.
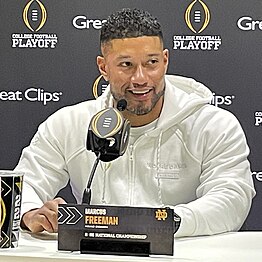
115	230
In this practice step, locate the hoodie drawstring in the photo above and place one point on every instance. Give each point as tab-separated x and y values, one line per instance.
158	167
104	167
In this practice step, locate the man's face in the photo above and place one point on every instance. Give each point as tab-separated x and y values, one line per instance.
135	69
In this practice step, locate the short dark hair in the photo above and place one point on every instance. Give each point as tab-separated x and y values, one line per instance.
129	23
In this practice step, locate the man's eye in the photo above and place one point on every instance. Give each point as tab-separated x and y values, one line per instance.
152	61
126	64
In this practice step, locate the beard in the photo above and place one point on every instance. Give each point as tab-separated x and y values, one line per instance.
140	108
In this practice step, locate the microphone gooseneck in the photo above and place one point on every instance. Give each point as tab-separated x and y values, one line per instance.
87	193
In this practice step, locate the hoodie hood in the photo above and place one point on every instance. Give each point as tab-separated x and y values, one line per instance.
182	97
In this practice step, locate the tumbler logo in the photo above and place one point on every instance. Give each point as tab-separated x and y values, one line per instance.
197	18
258	118
34	15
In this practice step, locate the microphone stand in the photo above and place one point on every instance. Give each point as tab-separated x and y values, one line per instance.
87	192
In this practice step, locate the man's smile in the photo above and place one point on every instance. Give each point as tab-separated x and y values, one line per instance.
139	92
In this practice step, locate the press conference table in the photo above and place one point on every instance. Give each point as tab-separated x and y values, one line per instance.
229	247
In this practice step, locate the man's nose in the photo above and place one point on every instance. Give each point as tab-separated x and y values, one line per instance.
139	76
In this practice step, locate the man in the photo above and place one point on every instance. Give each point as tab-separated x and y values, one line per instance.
183	152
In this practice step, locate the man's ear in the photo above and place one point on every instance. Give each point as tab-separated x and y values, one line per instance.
166	58
100	61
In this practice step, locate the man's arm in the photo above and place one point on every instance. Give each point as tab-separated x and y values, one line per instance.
45	173
226	188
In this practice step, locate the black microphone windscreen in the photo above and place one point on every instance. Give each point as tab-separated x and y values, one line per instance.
121	105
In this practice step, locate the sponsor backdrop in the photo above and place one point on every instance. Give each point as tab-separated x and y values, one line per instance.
48	60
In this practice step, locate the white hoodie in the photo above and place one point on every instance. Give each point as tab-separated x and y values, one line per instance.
194	161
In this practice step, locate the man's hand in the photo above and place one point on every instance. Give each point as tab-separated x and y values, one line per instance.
44	218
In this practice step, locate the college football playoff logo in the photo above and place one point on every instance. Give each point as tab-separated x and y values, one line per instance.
197	16
34	15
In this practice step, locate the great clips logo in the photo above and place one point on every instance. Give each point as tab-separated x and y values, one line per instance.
82	22
32	94
34	17
197	18
220	100
247	23
257	175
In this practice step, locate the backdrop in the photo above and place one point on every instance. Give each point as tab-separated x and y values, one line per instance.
48	52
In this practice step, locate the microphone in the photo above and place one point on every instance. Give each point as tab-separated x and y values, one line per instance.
107	137
108	132
121	105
